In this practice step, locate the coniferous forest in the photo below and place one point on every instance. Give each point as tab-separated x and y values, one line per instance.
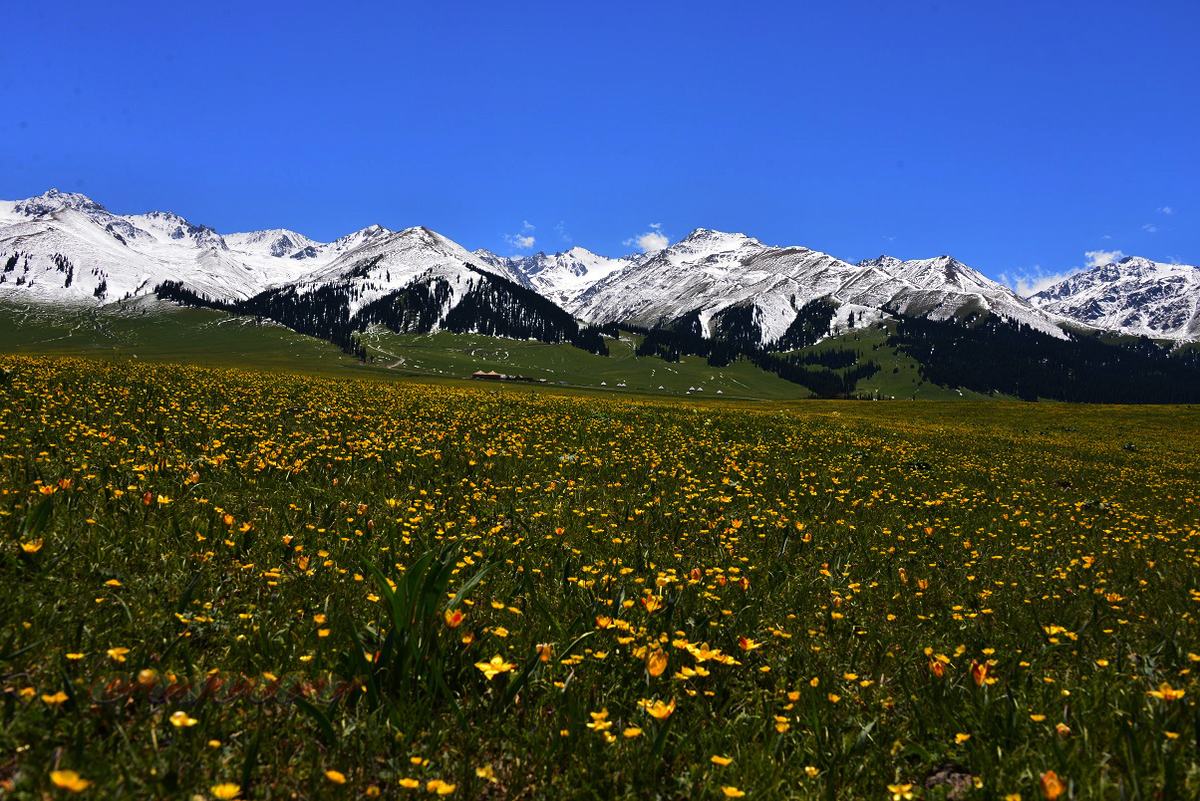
982	353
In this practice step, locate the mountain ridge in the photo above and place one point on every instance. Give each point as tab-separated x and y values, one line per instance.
66	247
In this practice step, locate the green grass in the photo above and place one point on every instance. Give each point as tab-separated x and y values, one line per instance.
158	331
899	375
459	355
227	577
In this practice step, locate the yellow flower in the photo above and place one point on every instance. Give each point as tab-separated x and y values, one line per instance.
117	654
409	784
440	787
717	759
486	773
495	666
656	662
335	776
181	720
33	546
600	721
632	732
57	698
74	656
811	771
69	780
732	792
226	791
961	738
1052	786
1166	692
900	792
657	709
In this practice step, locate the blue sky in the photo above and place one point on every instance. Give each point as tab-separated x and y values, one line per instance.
1017	136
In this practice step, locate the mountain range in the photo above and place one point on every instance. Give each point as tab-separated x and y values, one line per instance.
62	247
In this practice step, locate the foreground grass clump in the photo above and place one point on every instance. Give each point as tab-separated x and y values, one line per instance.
236	585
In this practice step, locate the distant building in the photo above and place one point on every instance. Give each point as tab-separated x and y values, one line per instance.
487	375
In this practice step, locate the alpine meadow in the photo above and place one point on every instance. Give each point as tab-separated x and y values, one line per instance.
224	583
541	401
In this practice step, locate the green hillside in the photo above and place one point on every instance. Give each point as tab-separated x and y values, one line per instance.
158	331
458	355
899	375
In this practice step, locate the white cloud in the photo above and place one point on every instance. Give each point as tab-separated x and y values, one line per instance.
651	240
1030	282
1167	210
1035	280
562	231
1150	228
520	241
1099	258
523	240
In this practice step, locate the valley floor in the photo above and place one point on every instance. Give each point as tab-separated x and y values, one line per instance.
227	583
152	330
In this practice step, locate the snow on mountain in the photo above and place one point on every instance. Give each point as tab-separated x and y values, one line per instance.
65	247
710	271
943	287
561	277
1134	296
706	272
275	242
375	263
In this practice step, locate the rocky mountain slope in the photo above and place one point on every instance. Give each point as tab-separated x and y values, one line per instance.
64	247
1133	296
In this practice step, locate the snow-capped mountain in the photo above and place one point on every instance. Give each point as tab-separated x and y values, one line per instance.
276	242
561	277
65	247
710	271
373	263
1134	296
942	288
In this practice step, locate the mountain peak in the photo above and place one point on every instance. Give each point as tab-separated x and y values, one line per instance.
55	200
710	239
712	233
277	242
881	262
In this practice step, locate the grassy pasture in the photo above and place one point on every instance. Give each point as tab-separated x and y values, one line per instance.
227	583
